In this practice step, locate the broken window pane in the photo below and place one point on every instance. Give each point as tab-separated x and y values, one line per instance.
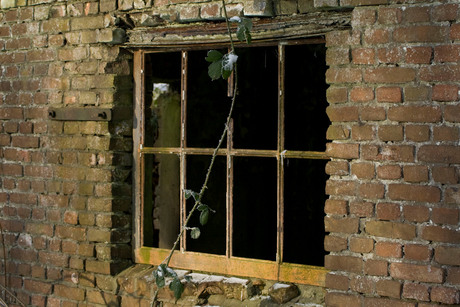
305	103
256	109
212	238
254	208
304	197
161	200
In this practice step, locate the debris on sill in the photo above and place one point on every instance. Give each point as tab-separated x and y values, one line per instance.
215	290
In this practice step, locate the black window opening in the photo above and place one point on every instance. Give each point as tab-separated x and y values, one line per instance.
267	185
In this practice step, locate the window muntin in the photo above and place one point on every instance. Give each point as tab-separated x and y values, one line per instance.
262	161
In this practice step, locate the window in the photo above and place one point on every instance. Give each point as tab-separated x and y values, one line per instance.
267	185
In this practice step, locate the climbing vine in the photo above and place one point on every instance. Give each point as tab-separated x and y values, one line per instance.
221	66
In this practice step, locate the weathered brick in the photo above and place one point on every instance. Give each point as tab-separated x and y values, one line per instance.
337	168
334	243
418	193
423	273
389	288
415	114
342	150
344	263
361	245
342	225
447	255
390	230
417	33
417	252
389	94
440	234
72	293
446	295
388	249
415	291
389	75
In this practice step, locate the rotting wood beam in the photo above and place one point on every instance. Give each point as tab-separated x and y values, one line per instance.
203	33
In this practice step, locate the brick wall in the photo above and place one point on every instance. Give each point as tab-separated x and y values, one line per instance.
393	212
65	186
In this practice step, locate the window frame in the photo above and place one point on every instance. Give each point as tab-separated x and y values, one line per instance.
220	264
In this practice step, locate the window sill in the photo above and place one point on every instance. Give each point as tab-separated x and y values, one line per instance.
286	272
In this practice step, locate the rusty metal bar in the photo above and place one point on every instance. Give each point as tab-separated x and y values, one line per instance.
138	140
183	143
237	152
229	236
280	157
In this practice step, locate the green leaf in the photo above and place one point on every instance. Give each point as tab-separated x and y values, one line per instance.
190	193
159	274
243	31
213	56
177	287
202	207
195	233
204	217
215	70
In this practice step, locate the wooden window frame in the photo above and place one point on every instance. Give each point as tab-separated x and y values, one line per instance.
220	264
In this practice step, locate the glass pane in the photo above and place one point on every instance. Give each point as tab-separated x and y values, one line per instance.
254	208
256	110
207	103
163	103
212	238
161	200
304	198
306	121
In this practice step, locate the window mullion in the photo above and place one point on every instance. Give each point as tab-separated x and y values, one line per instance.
183	144
229	232
280	157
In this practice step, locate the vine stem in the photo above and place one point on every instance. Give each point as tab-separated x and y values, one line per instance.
214	155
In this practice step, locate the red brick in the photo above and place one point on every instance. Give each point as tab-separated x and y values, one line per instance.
371	190
362	209
391	133
363	170
388	250
342	225
416	14
362	284
389	94
445	174
401	153
447	53
389	75
343	75
342	150
417	292
337	56
337	132
343	263
361	245
342	114
72	293
445	12
363	56
445	295
388	211
337	94
335	187
452	113
340	168
334	243
445	134
453	275
390	288
390	230
440	234
340	38
363	132
414	34
441	73
338	207
454	31
372	113
335	281
362	94
445	92
376	267
439	154
423	273
376	36
415	173
415	114
445	216
417	133
384	302
417	252
447	255
390	55
418	193
36	286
